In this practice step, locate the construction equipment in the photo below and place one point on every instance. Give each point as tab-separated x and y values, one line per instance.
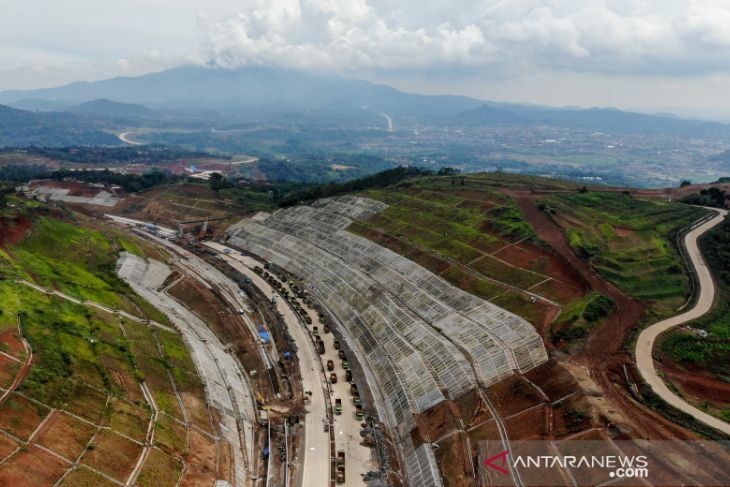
320	347
330	365
348	375
333	378
345	364
338	406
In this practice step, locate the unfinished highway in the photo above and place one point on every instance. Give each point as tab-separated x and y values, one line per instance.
705	300
315	456
421	340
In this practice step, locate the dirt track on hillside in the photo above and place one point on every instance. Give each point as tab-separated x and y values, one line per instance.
604	353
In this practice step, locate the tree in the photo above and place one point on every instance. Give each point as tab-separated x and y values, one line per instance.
448	171
217	181
685	182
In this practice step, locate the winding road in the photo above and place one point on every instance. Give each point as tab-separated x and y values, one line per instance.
706	298
124	137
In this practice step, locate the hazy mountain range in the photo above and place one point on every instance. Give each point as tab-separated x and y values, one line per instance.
194	95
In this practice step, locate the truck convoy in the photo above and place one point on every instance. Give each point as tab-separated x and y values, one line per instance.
340	466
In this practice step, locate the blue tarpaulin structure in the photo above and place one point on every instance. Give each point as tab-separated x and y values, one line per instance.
265	336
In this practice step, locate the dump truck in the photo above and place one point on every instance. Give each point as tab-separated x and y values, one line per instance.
308	321
320	347
338	406
340	354
330	365
358	401
345	364
340	466
333	378
315	331
348	375
359	412
353	390
326	328
337	344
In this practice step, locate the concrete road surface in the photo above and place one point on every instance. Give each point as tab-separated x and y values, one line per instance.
315	453
645	343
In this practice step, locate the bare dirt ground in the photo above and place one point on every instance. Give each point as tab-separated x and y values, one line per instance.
32	466
211	308
700	388
13	230
453	457
203	468
604	352
169	204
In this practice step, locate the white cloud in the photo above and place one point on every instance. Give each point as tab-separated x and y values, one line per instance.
582	35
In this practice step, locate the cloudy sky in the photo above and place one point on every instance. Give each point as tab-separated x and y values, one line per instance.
653	55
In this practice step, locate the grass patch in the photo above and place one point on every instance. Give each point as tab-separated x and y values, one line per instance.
440	222
628	239
579	316
160	470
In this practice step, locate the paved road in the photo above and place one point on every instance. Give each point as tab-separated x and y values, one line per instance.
645	343
124	137
315	453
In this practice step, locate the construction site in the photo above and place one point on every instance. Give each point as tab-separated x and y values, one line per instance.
328	358
421	340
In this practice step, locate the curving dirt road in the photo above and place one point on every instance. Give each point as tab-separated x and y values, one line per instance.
604	354
645	343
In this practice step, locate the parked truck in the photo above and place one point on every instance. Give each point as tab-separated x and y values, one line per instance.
340	466
338	406
320	347
330	365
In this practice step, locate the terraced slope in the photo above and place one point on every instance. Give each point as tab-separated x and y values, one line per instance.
475	237
91	396
626	240
424	340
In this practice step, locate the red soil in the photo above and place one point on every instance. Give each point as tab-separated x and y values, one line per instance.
13	230
698	386
542	261
10	338
604	353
